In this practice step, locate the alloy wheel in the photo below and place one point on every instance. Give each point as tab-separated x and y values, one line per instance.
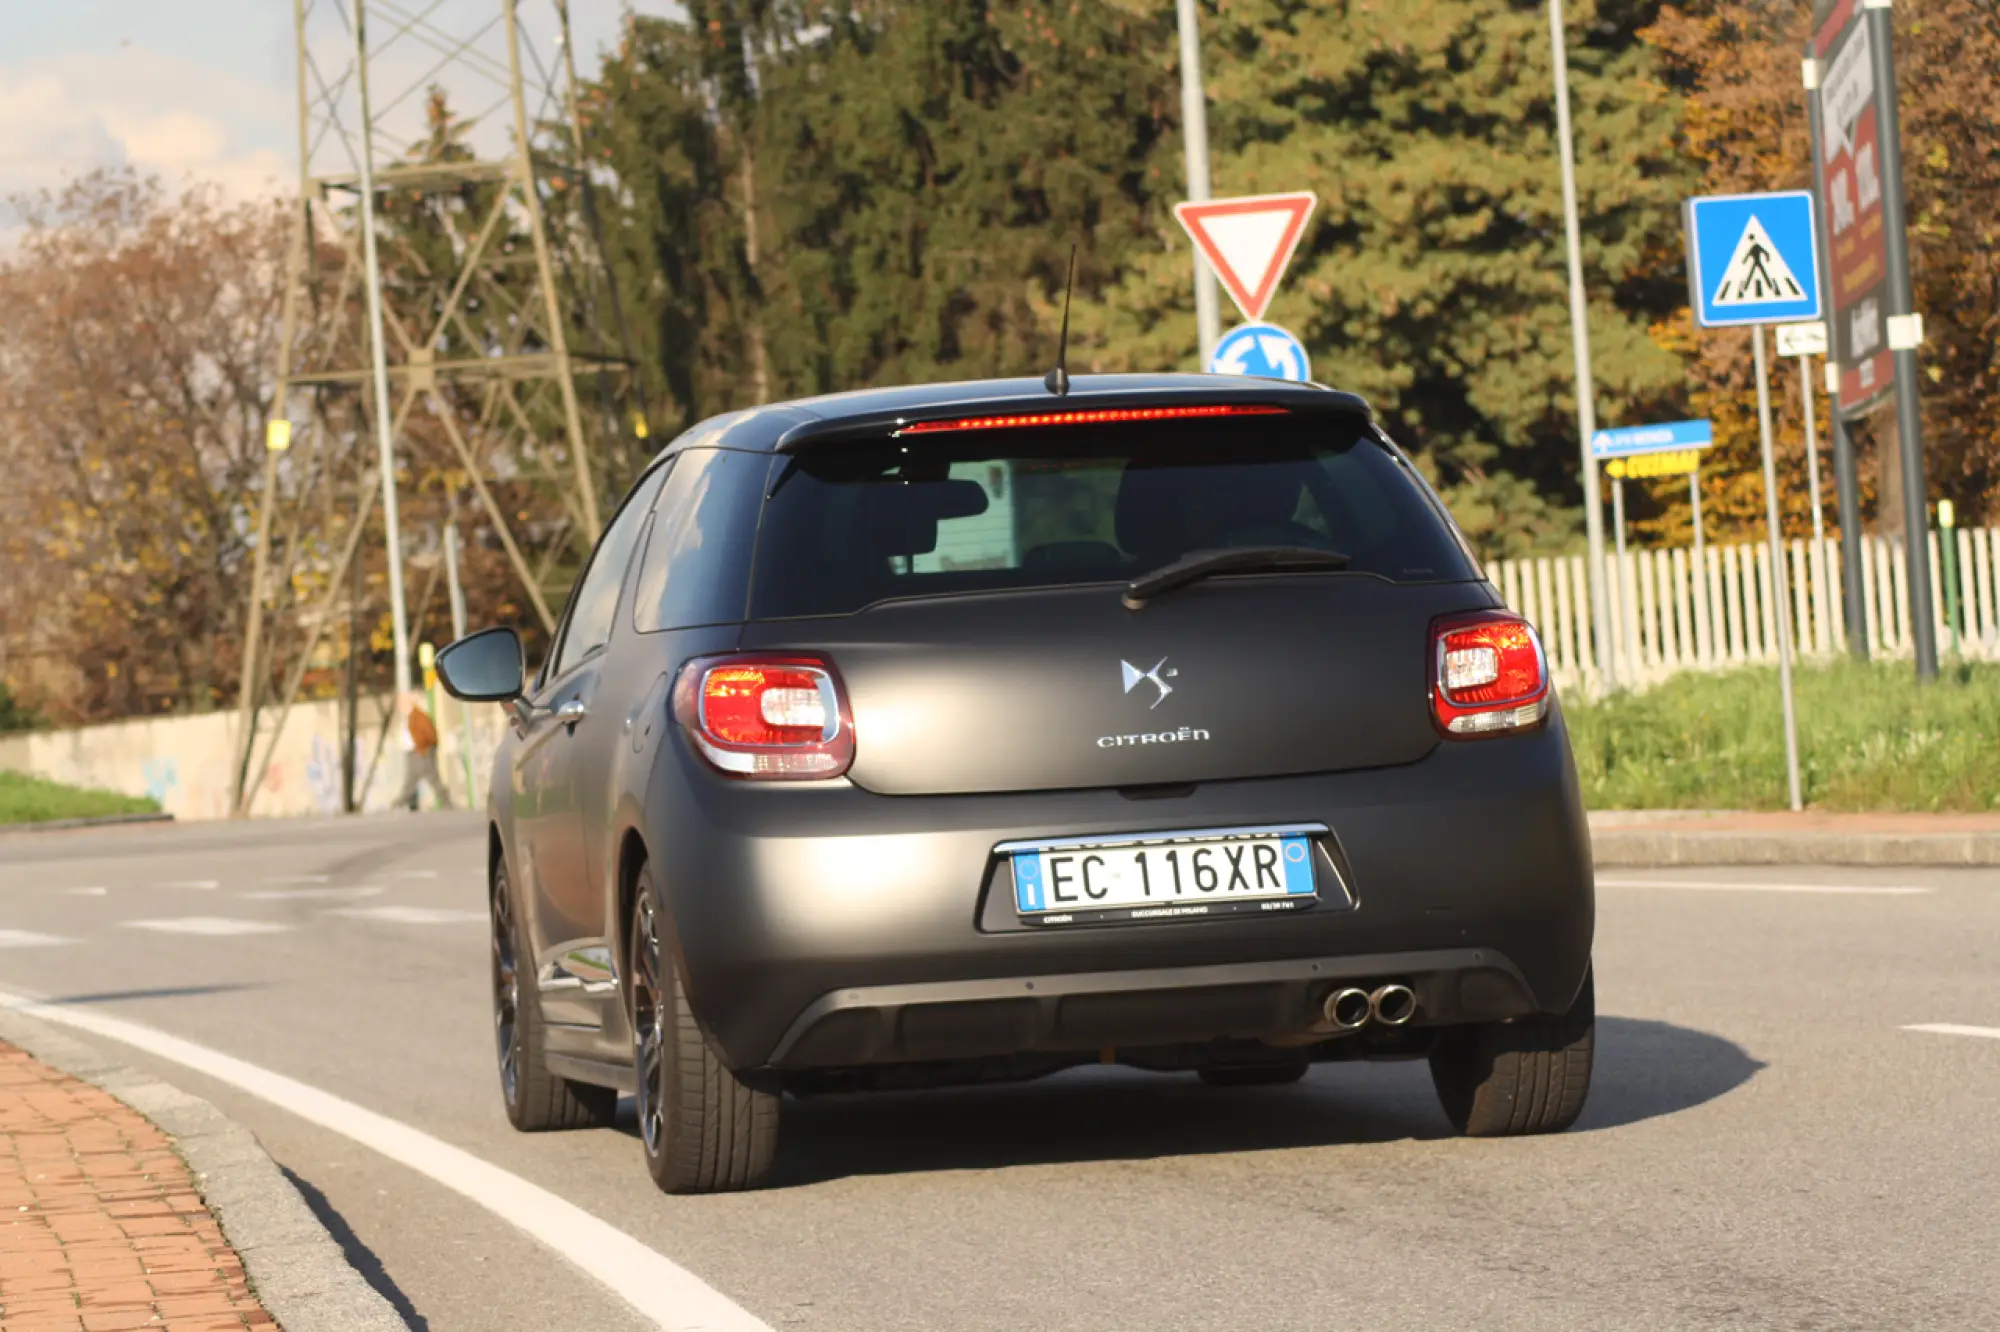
506	991
648	1029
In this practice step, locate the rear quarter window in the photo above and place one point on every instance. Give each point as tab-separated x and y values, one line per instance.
854	523
696	569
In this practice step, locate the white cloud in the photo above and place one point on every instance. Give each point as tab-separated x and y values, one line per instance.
63	116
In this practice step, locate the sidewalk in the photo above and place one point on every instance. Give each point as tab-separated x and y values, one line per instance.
100	1223
1812	837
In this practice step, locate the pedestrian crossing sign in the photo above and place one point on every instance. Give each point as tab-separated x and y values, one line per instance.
1752	259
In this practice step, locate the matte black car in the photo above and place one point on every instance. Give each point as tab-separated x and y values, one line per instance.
964	732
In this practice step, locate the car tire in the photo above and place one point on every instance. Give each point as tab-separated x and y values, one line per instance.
1254	1075
536	1099
702	1129
1508	1079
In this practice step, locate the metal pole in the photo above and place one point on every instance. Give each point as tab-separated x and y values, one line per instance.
249	686
378	357
1780	589
524	167
1694	499
1812	448
1909	419
1817	568
1194	128
1846	482
1579	333
457	593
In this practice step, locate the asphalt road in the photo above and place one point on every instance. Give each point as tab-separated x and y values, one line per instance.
1767	1145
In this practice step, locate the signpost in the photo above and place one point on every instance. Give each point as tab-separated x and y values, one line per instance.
1263	350
1248	242
1670	449
1850	75
1753	259
1806	341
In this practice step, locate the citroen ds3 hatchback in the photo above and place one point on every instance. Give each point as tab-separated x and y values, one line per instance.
960	733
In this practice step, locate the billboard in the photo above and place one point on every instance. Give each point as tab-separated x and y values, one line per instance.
1857	243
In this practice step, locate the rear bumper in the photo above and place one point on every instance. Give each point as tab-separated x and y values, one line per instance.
827	926
1109	1009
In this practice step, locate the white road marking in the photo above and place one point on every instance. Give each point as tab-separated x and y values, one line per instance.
299	878
1835	889
414	874
29	939
313	894
412	915
83	892
1955	1029
205	884
207	925
657	1287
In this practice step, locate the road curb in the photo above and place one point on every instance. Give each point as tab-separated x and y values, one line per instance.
1633	848
103	821
297	1270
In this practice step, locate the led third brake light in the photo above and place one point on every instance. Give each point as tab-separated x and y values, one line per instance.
1102	416
762	716
1490	675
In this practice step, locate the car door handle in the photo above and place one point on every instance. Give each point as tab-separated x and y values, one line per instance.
571	712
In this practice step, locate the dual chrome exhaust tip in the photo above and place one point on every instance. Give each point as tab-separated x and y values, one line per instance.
1352	1008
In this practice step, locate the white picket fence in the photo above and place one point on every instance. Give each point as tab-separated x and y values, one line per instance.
1677	614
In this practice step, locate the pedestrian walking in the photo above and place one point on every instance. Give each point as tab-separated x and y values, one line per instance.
421	765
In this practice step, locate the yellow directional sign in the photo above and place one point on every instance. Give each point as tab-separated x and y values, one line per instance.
1677	463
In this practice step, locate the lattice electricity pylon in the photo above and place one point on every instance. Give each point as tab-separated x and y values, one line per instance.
506	349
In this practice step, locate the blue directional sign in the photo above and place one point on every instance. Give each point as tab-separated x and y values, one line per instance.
1751	258
1625	441
1264	350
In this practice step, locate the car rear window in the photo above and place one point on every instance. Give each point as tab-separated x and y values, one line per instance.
851	524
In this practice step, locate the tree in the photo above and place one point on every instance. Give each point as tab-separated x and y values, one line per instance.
134	384
1735	65
1433	280
924	170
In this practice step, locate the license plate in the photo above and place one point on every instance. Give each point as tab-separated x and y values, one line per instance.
1163	876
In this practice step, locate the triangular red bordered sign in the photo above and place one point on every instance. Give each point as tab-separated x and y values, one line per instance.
1248	241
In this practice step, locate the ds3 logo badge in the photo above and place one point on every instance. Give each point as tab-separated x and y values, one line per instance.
1133	675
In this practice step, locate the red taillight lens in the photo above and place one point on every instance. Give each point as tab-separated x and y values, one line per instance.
1489	674
773	717
1103	416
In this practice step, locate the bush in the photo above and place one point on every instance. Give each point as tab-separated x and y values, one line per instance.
13	715
1870	738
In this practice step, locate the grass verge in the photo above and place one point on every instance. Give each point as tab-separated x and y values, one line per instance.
1870	738
25	799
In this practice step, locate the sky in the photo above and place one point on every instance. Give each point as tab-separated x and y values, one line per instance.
202	89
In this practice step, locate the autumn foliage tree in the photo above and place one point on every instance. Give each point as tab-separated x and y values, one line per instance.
1734	64
135	364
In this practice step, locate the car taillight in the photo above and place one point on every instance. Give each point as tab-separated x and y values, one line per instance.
765	716
1489	674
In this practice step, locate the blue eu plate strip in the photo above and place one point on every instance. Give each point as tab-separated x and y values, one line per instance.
1296	854
1028	881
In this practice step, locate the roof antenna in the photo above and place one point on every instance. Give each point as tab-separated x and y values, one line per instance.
1056	381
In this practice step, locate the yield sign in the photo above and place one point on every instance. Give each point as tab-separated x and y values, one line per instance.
1248	241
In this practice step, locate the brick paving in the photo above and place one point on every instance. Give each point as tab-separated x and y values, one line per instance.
100	1224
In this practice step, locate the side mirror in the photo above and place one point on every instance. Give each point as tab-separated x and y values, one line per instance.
484	667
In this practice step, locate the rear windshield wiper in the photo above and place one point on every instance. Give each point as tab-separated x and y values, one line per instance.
1244	559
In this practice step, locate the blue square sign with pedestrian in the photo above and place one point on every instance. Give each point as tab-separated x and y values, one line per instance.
1751	258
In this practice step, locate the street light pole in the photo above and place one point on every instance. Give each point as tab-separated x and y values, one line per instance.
1579	332
385	443
1194	128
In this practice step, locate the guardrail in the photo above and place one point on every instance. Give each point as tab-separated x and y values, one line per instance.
1677	614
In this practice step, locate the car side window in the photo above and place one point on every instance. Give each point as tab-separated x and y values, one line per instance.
696	569
594	603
